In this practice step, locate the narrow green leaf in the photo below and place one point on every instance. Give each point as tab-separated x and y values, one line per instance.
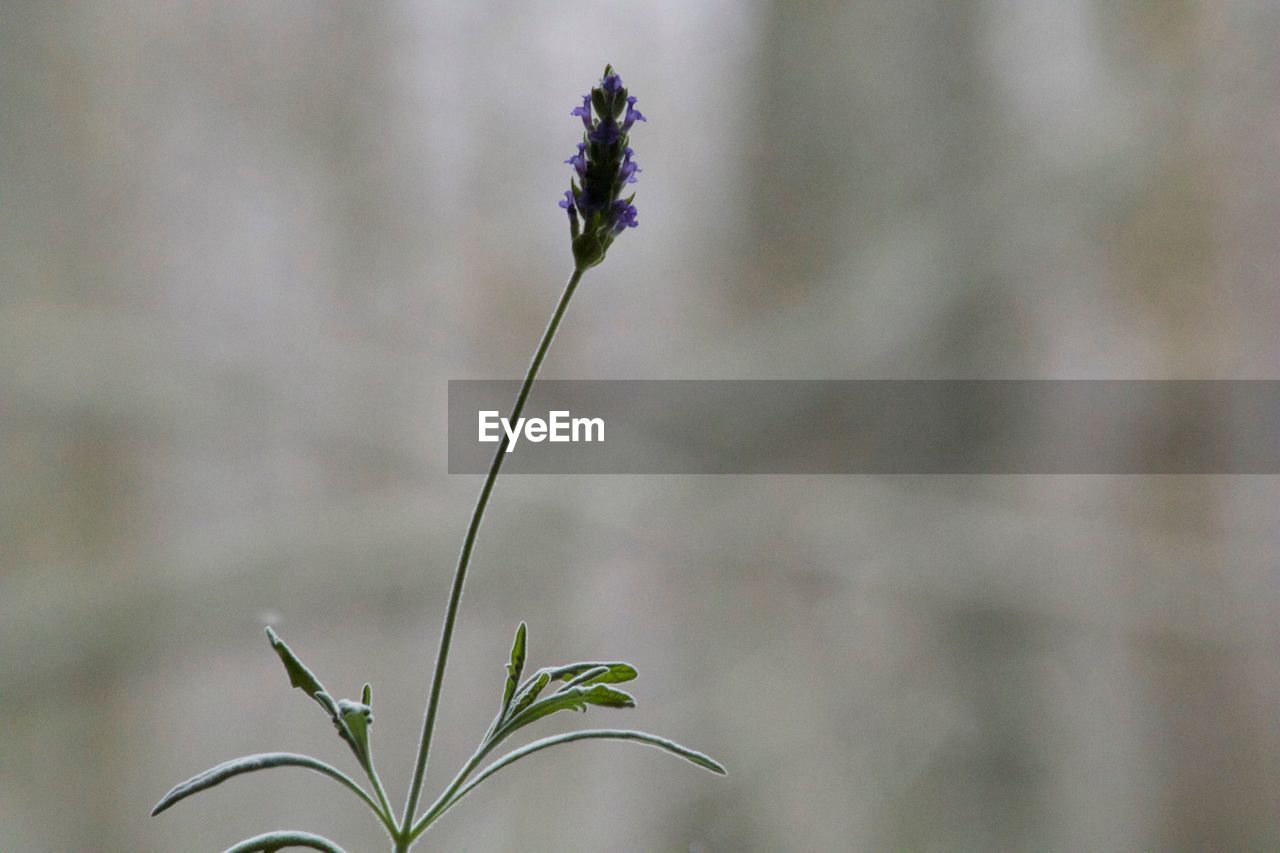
602	672
333	708
588	677
366	695
618	671
306	681
272	841
249	764
691	755
529	693
515	668
299	676
356	720
329	704
571	698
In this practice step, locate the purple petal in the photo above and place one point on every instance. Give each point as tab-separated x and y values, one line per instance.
623	216
584	111
627	174
578	161
633	115
606	133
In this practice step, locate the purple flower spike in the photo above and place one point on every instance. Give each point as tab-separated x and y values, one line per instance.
602	167
584	111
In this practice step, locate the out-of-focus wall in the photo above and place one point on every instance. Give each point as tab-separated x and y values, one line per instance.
244	247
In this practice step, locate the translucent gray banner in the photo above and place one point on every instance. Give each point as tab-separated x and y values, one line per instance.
869	427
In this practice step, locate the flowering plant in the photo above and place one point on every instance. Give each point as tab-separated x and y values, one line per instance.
598	214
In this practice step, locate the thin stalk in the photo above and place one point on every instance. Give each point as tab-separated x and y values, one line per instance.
464	561
388	814
446	796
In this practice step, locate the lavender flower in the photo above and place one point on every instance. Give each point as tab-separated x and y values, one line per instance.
633	114
584	111
603	167
579	161
629	169
624	216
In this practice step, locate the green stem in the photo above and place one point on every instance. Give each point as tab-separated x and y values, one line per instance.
446	797
464	560
388	814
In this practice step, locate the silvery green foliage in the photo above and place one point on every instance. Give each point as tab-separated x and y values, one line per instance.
597	215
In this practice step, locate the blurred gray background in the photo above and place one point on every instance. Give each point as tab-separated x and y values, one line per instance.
245	245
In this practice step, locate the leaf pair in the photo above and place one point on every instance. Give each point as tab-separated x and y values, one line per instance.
351	719
523	702
586	684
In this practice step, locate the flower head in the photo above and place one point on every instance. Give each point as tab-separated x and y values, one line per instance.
602	167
